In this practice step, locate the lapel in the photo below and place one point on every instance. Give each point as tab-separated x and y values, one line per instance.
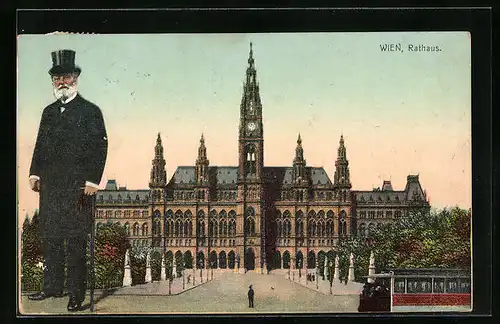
73	111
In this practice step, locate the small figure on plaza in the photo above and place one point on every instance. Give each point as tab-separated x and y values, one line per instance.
250	296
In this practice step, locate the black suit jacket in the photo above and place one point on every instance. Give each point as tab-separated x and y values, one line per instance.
71	148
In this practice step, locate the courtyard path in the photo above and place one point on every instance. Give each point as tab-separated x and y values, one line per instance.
225	294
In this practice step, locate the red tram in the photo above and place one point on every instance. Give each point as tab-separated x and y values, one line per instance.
418	290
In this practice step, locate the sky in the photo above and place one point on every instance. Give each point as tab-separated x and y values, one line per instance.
400	113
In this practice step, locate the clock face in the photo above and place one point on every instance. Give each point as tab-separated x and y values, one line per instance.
251	126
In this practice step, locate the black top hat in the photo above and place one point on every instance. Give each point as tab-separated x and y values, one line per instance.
63	61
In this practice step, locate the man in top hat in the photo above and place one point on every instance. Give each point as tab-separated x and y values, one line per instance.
66	169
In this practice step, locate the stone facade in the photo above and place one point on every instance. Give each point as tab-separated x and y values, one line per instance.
251	215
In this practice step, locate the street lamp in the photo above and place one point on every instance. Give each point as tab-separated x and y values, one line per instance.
200	263
183	280
317	275
331	275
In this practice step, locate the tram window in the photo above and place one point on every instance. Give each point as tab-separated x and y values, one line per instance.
464	286
426	285
399	286
438	285
419	285
412	285
452	286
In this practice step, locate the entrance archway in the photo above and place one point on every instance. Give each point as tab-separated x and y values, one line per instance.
299	260
277	260
188	260
231	259
250	259
222	260
311	260
212	262
200	260
179	263
286	260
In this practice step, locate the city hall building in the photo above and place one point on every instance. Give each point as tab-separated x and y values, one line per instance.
249	215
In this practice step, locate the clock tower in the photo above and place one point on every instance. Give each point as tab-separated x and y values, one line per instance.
251	215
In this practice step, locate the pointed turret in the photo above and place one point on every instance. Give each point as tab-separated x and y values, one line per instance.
299	163
158	174
342	180
202	163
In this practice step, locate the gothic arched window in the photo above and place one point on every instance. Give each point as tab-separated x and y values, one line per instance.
145	229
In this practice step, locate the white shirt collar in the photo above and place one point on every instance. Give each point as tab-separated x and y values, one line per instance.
70	98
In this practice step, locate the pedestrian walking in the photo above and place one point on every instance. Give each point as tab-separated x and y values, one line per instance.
250	296
66	169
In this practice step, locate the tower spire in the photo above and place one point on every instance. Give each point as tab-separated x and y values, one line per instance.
299	163
342	177
250	56
158	174
251	134
202	163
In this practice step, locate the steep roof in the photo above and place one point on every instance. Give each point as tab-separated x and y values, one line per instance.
141	195
185	175
228	175
412	191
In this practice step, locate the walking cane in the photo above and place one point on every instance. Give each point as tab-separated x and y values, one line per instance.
92	248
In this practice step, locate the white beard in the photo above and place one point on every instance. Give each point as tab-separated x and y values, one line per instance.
64	93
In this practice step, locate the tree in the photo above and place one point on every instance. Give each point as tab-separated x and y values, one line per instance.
31	251
420	239
31	255
111	244
425	238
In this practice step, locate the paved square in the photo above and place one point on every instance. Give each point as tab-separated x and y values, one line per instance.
227	293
